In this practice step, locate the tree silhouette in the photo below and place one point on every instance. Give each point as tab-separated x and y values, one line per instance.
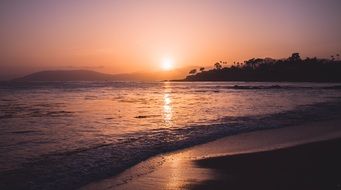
249	63
292	69
217	65
295	57
192	72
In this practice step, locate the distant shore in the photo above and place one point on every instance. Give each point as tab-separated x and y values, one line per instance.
298	157
292	69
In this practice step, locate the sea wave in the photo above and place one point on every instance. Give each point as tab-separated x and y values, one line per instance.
285	87
73	169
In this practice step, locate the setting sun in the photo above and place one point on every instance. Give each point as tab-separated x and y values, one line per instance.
167	64
110	94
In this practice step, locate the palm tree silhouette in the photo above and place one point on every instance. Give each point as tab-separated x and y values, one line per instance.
218	65
192	72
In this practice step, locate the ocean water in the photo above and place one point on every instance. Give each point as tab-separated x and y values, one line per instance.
62	135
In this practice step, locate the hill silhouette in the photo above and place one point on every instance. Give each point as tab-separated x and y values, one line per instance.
292	69
89	75
67	75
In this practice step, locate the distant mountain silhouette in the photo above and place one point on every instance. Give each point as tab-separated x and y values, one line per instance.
67	75
292	69
88	75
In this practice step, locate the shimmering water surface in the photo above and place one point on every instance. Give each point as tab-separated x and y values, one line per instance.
64	135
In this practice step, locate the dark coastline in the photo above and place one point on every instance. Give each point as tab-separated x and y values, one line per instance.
292	69
310	166
260	81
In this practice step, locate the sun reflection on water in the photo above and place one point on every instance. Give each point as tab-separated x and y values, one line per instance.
167	105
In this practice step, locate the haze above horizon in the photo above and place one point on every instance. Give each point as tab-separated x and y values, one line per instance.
149	35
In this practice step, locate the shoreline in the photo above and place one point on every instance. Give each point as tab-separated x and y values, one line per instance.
260	81
180	169
314	165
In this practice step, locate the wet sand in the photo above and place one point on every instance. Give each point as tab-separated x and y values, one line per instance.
298	157
310	166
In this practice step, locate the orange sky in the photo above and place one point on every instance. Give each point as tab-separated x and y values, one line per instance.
135	36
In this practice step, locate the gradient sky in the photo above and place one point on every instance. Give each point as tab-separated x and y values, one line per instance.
129	36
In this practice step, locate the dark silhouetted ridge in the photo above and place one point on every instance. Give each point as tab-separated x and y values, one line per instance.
292	69
67	75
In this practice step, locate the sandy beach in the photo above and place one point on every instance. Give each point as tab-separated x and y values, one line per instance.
170	95
298	157
309	166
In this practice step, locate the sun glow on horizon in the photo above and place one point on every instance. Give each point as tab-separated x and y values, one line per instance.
167	64
153	36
